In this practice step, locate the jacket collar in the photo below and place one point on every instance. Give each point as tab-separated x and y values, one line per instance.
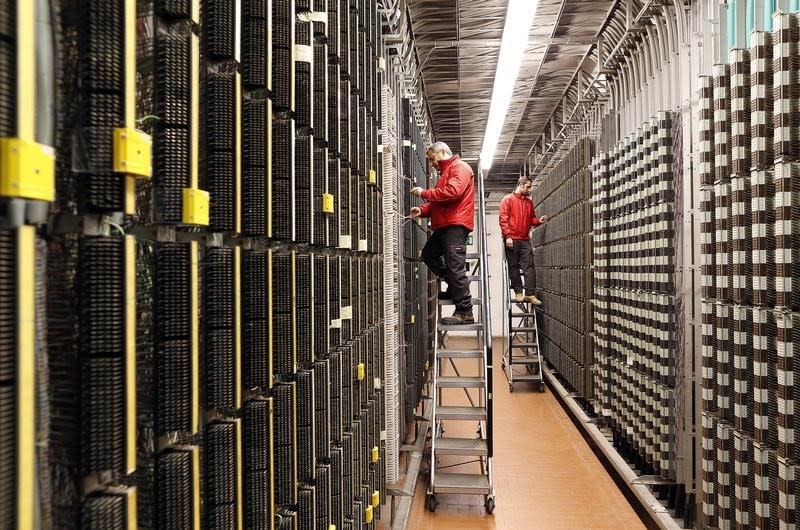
444	164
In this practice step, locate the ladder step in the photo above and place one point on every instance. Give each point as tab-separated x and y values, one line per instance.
460	413
459	382
524	360
464	483
473	255
473	278
478	326
461	446
522	315
475	301
460	354
528	377
524	329
523	345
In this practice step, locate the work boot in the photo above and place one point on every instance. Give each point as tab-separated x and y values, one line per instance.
532	299
519	297
458	319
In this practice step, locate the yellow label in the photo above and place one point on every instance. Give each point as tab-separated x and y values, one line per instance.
27	170
376	498
375	454
373	177
361	371
413	319
327	203
133	151
368	514
195	207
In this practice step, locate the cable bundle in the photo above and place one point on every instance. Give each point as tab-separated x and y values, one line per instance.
319	122
765	471
303	71
283	323
302	187
257	371
787	235
345	116
221	160
740	112
708	351
345	275
283	68
219	24
258	458
722	210
171	149
8	308
173	340
306	507
321	319
8	95
101	306
323	497
255	162
354	142
741	240
221	474
334	173
306	460
220	327
744	503
786	63
337	502
709	472
334	86
282	179
787	489
722	122
725	482
742	368
322	412
334	304
284	422
765	408
305	315
336	374
320	183
761	99
787	342
175	490
763	239
286	520
254	44
101	511
348	371
348	487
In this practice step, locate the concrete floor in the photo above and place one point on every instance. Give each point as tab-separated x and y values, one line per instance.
545	475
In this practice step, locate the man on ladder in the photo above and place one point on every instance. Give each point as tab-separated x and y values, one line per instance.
451	207
517	217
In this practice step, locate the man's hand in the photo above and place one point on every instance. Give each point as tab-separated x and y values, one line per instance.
415	212
543	219
416	191
509	243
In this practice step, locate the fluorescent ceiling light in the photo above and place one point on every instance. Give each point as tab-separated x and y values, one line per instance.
519	18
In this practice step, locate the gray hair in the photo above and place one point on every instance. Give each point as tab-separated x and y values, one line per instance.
439	147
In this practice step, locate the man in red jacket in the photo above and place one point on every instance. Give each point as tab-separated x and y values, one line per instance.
517	216
451	207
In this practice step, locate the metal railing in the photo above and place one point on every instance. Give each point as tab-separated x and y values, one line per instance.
486	316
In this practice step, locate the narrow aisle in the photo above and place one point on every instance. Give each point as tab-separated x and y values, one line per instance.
545	475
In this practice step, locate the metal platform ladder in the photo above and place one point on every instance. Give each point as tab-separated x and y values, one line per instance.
522	359
473	359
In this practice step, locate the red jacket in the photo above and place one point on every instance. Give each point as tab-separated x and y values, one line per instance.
452	201
517	216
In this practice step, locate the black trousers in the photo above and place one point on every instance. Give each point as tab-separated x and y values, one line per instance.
521	256
445	254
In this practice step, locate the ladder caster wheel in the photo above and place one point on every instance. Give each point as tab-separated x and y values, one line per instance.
432	503
541	387
511	387
489	505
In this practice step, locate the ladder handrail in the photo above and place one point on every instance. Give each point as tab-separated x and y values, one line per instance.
486	314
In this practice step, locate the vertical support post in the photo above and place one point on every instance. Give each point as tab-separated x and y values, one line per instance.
26	377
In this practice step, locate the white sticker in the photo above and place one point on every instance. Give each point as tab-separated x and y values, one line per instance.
362	245
346	312
313	16
381	64
377	384
383	435
336	323
406	143
303	53
345	241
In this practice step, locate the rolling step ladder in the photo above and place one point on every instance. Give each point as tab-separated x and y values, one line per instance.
522	358
466	468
